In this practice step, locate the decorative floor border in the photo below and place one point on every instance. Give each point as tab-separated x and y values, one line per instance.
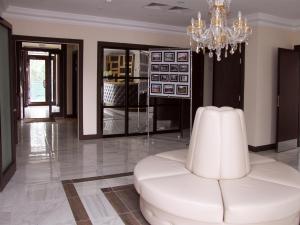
80	215
125	200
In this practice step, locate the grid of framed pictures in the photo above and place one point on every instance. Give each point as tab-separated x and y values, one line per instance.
170	73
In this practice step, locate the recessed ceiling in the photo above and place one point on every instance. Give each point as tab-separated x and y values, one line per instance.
137	10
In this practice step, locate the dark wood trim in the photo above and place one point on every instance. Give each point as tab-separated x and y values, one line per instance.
9	172
5	23
89	137
262	148
297	49
80	42
126	47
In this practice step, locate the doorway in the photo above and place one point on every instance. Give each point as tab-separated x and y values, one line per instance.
49	78
122	93
224	80
41	82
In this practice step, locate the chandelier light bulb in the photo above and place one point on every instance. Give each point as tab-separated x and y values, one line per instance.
199	16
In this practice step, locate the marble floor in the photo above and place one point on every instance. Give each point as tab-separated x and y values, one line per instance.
49	153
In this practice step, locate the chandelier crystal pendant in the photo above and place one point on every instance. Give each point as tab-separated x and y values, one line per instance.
218	35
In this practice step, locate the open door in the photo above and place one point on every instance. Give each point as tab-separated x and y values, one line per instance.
228	80
288	99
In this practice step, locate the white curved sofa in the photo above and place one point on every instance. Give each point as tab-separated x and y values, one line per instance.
217	181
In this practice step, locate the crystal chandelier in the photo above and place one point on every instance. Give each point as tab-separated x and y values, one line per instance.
219	36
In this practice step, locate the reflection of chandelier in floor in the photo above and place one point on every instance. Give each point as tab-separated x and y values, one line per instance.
219	35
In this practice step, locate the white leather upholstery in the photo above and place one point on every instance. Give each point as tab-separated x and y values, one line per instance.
249	200
181	156
155	167
218	148
212	183
187	196
177	155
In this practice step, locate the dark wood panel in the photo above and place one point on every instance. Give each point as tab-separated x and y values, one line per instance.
228	81
10	170
288	95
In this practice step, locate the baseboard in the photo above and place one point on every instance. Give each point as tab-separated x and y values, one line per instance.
262	148
89	137
71	116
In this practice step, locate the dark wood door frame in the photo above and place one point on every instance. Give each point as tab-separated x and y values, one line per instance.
127	47
19	38
242	72
285	129
9	172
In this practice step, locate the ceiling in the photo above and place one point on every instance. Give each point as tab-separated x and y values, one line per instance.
136	10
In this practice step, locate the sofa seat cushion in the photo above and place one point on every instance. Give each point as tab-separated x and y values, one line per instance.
155	167
177	155
276	172
249	200
257	159
187	196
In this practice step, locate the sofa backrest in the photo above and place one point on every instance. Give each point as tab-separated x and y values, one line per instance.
218	146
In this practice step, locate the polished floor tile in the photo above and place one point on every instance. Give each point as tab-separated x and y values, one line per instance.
49	153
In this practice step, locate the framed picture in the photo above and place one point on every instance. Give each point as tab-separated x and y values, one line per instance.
164	78
155	77
184	68
182	90
174	68
156	88
155	67
169	89
164	68
169	56
174	77
156	56
184	78
182	56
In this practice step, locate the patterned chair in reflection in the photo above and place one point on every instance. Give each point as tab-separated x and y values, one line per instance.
114	94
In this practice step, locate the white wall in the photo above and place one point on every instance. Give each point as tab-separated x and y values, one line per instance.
91	34
260	67
261	82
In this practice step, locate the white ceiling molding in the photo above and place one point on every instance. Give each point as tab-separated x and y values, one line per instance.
257	19
70	18
262	19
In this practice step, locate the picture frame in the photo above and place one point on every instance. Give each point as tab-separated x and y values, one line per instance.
169	56
164	68
164	78
183	78
155	67
156	88
156	56
183	56
173	77
169	89
182	90
184	68
155	77
174	68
